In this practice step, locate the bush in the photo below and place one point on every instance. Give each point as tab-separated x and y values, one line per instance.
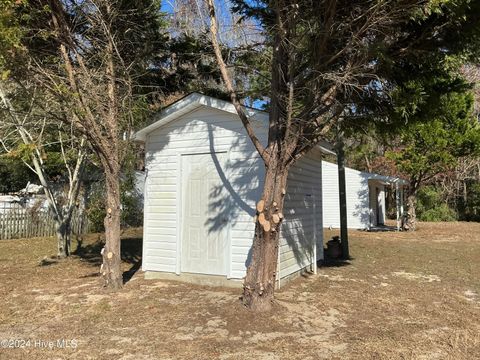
428	198
96	208
470	210
131	200
131	204
14	174
439	213
430	206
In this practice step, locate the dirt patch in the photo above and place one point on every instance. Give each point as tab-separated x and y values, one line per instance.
416	277
402	296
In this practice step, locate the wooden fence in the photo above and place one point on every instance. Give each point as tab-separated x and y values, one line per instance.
24	223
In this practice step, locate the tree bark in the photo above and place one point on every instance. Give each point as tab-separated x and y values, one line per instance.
259	285
111	267
63	230
367	163
410	222
278	156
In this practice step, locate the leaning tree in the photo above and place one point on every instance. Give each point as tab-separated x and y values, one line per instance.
331	61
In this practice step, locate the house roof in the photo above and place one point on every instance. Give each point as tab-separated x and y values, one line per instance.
387	180
197	100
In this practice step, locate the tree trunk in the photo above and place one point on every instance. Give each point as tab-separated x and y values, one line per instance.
111	267
367	163
410	222
63	230
259	285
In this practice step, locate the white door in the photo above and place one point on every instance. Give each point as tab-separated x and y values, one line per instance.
204	226
381	205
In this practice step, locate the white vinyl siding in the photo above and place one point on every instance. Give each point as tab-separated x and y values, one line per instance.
358	197
302	226
201	131
206	130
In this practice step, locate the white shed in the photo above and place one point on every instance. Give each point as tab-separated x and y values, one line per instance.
365	197
203	178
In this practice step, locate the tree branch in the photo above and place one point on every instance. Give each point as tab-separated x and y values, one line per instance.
229	85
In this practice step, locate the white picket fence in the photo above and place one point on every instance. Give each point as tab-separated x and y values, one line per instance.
25	223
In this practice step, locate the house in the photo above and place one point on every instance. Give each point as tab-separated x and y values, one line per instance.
365	193
9	202
203	178
30	196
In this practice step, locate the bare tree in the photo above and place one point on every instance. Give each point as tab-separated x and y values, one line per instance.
190	17
91	57
454	183
29	128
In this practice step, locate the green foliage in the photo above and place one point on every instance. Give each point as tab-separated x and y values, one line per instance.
22	152
429	146
439	213
470	209
96	209
14	175
431	207
132	210
428	198
10	32
131	200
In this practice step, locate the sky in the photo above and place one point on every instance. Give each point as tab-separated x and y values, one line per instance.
225	30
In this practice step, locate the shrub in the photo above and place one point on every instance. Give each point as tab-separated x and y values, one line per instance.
131	204
428	198
96	208
470	210
430	206
439	213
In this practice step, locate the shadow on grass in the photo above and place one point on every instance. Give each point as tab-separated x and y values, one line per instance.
382	228
131	249
48	261
329	262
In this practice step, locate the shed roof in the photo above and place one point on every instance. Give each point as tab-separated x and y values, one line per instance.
381	179
196	100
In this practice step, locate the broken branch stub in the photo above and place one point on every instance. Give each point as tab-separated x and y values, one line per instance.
260	206
266	226
276	218
261	218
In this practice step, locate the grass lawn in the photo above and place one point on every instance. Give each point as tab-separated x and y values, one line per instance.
402	296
